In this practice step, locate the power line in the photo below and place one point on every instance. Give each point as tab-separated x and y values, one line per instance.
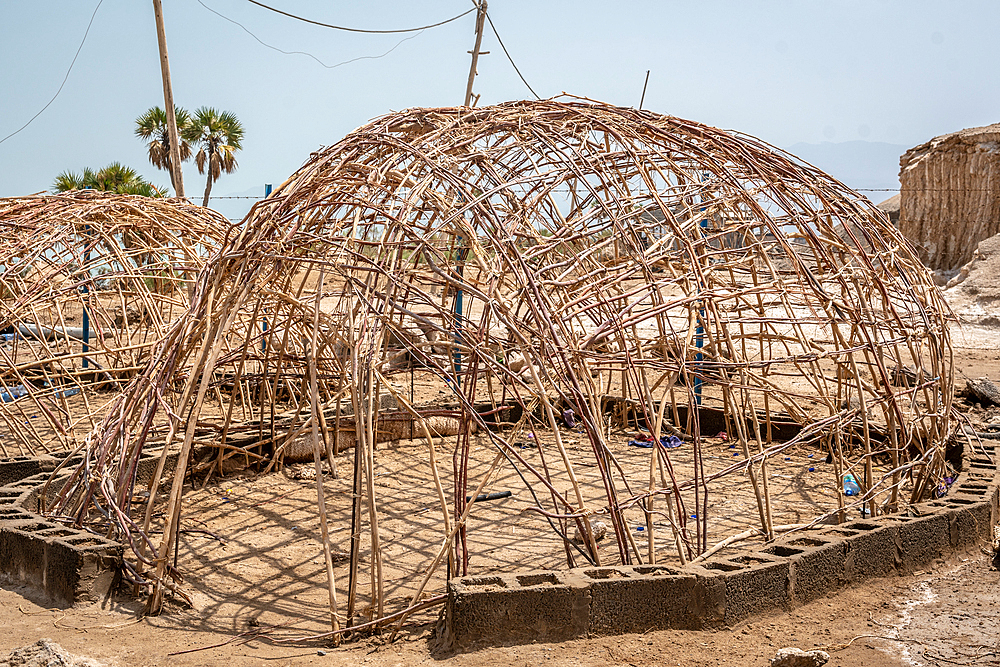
65	78
371	32
507	53
304	53
855	189
997	189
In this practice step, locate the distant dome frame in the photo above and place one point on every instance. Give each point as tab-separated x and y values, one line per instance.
90	281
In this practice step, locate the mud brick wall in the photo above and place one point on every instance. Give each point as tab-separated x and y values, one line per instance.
947	198
557	605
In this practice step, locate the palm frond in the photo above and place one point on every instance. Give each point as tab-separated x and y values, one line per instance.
152	127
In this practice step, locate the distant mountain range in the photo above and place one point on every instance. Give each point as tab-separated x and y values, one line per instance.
861	165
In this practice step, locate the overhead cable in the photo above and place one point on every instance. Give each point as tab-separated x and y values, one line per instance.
65	78
305	53
372	32
494	29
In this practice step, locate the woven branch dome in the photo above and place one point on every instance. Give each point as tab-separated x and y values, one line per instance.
90	282
536	263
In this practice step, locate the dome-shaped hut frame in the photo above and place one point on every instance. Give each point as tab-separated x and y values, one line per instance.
547	263
90	282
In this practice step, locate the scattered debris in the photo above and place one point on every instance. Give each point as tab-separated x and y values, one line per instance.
905	376
983	390
497	495
942	489
305	471
646	441
795	657
46	653
599	528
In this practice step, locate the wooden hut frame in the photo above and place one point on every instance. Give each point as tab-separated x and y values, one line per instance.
537	258
90	283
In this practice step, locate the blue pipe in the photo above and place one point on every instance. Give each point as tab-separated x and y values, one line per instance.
86	290
699	332
458	314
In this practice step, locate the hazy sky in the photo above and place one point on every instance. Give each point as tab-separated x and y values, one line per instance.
789	72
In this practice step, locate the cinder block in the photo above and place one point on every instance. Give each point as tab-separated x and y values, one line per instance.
969	521
517	608
640	598
972	488
925	539
872	548
994	501
753	583
818	565
36	553
15	469
10	496
147	466
709	598
99	572
13	513
22	558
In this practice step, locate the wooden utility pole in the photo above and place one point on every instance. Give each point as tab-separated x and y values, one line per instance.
176	177
480	22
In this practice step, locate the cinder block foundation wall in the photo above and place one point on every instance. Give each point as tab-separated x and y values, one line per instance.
722	591
71	565
64	564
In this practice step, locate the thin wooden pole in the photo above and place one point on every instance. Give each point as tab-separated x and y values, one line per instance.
317	410
176	175
480	20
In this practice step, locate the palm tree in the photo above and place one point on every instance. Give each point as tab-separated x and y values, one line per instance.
115	177
151	127
69	180
218	135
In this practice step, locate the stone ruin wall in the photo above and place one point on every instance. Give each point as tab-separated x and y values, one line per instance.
949	201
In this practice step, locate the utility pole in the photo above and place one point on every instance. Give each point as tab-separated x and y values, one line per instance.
176	177
480	21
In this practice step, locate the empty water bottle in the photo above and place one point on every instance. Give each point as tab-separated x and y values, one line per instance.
12	393
851	487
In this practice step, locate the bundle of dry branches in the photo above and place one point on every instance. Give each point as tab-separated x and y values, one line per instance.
90	282
546	262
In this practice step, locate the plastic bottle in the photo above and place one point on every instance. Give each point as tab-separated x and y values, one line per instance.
13	393
851	487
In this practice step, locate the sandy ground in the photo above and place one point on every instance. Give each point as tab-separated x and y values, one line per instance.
945	617
250	554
